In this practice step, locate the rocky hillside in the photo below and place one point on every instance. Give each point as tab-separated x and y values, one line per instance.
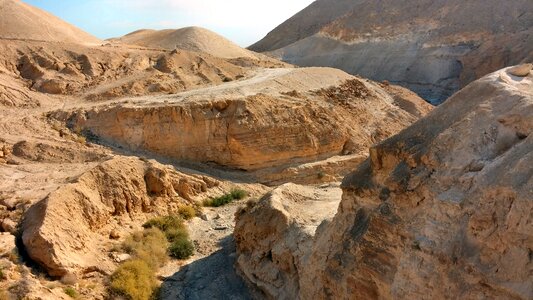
21	21
189	38
431	47
277	119
441	210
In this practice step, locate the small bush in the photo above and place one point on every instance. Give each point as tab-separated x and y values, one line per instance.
235	194
187	212
176	233
149	245
2	275
181	248
71	292
238	194
134	279
165	223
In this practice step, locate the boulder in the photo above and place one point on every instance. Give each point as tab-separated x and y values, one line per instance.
521	70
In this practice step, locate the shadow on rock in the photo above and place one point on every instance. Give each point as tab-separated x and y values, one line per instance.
212	277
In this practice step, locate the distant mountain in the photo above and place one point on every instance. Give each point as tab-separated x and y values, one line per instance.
188	38
433	47
21	21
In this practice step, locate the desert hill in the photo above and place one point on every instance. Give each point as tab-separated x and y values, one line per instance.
431	47
106	72
129	169
189	38
21	21
97	139
450	192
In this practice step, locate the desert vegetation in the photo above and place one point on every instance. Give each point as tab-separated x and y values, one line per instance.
234	194
150	249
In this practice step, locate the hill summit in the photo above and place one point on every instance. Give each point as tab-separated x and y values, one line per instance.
21	21
196	39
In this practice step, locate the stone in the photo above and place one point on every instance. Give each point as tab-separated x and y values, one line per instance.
9	225
7	243
114	234
120	257
521	70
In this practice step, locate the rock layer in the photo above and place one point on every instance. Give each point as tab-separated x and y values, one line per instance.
277	118
432	47
442	210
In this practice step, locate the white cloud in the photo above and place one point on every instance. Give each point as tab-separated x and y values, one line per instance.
249	18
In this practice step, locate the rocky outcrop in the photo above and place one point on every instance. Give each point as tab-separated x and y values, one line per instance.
273	236
432	47
67	231
50	153
99	73
280	117
441	210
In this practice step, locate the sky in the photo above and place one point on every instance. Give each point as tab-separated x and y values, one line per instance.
242	21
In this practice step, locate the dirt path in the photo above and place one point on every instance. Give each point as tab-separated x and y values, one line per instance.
210	274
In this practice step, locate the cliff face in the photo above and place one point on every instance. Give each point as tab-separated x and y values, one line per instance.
431	47
277	118
442	210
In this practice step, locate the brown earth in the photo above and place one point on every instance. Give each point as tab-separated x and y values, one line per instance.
441	210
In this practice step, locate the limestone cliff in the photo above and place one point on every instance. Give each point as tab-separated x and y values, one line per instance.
441	210
432	47
280	117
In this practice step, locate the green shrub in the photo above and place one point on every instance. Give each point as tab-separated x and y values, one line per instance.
71	292
174	234
187	212
181	248
165	223
134	279
238	194
149	245
2	275
235	194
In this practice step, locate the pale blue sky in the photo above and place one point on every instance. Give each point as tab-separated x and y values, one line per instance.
242	21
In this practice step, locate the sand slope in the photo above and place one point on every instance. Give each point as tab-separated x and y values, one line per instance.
19	20
188	38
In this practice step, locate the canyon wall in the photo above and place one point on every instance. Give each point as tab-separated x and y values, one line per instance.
441	210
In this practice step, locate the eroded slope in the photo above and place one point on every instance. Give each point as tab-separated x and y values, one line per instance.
441	210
